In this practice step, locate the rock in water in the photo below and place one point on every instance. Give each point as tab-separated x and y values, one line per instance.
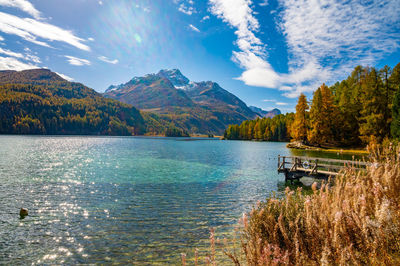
23	212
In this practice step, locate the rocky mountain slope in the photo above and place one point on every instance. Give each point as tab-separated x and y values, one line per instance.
263	113
198	107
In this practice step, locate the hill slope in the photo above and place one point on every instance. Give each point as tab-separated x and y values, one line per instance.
198	107
39	101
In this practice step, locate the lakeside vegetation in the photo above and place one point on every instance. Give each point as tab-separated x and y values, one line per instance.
355	220
364	107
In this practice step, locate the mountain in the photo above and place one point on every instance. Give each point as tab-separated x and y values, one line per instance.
29	76
197	107
149	92
263	113
39	101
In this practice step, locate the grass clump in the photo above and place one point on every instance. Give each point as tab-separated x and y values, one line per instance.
356	221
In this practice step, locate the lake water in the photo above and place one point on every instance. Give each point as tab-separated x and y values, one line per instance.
125	199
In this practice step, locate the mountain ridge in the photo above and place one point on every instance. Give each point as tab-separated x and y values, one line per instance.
170	93
263	113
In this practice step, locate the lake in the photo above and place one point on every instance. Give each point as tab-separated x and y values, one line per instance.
126	199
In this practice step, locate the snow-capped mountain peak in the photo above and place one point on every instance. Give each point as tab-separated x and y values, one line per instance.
175	76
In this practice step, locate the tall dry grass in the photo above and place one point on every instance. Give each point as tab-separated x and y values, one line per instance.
355	221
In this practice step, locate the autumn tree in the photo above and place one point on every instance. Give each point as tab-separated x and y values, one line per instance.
350	112
300	123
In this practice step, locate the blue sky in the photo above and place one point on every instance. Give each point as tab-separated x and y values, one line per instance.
265	52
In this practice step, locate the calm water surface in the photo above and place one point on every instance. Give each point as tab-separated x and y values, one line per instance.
125	200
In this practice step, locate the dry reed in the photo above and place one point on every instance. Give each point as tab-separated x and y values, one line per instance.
356	221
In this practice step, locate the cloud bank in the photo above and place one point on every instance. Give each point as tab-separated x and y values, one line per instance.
31	29
325	39
11	63
24	5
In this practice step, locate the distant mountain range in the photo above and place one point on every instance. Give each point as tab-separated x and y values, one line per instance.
264	113
198	107
39	101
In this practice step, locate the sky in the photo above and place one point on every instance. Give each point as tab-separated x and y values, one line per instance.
265	52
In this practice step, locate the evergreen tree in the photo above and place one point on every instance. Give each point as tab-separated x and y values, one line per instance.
394	78
316	119
389	90
323	115
395	126
372	123
365	105
347	131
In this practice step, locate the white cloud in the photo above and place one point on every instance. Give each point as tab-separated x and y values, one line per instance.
30	30
27	56
75	61
100	2
263	3
275	101
193	28
185	6
1	39
91	39
105	59
238	14
11	53
65	76
24	5
325	40
205	18
188	10
11	63
33	58
337	36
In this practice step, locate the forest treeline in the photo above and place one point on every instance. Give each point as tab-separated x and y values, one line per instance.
266	129
364	107
39	102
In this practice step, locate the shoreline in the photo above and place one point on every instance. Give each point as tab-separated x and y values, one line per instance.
300	146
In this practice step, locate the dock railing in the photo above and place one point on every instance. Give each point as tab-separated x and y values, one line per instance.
296	166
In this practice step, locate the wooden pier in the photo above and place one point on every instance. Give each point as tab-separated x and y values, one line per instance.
295	167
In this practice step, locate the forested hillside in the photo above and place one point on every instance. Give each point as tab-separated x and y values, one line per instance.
267	129
41	102
364	107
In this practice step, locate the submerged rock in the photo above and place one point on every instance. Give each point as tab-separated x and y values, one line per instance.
23	212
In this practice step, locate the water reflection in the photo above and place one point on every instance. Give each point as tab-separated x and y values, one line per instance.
332	155
125	200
